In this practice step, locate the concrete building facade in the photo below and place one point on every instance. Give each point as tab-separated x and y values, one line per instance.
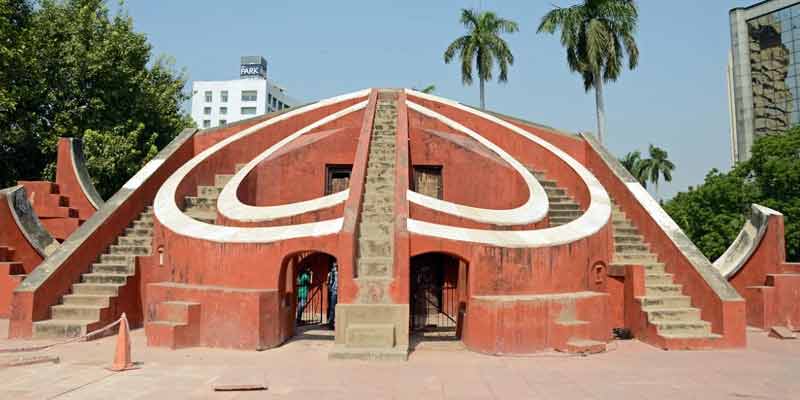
216	103
763	72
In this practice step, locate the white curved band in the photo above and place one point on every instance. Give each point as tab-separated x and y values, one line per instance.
589	223
533	210
232	208
170	216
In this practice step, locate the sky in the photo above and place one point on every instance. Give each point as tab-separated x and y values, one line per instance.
675	99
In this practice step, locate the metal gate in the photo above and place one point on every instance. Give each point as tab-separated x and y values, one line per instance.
313	313
434	304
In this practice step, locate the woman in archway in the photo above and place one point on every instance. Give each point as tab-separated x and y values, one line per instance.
303	282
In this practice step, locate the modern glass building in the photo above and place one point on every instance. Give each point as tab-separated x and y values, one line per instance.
763	72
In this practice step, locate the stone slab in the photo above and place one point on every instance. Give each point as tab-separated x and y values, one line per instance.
370	336
782	332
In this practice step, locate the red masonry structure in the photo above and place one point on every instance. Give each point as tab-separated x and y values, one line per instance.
442	221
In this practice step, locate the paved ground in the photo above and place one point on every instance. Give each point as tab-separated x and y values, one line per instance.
767	369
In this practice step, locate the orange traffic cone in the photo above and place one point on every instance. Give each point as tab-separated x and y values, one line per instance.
122	358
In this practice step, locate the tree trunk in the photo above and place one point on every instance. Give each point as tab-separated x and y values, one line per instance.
600	105
483	99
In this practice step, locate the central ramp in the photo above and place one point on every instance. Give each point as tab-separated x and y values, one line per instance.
373	327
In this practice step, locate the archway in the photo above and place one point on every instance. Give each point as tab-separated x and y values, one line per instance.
309	287
438	297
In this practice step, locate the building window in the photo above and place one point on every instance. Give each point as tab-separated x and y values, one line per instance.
428	180
207	110
223	122
249	95
269	98
209	98
280	105
248	111
223	96
223	110
206	123
274	102
337	178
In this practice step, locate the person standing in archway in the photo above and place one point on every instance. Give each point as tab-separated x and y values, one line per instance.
333	294
303	282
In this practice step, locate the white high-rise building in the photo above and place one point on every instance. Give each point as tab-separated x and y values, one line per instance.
216	103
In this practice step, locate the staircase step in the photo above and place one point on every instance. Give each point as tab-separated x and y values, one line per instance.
556	213
375	248
111	268
567	206
628	239
95	288
142	225
201	203
659	302
139	232
658	278
53	328
208	192
100	300
76	312
134	241
689	328
375	266
634	258
129	250
119	279
557	194
631	248
625	231
662	290
672	314
372	230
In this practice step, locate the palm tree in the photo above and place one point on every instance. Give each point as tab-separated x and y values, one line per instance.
657	166
596	34
483	45
634	163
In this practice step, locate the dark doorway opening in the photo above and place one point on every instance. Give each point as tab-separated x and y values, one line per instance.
315	282
438	297
427	180
337	178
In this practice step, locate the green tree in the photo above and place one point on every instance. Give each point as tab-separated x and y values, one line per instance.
713	213
597	34
657	166
89	73
633	162
483	46
15	93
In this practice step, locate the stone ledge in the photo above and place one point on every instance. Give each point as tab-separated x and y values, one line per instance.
341	352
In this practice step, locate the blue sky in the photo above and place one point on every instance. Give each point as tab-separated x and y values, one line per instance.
676	98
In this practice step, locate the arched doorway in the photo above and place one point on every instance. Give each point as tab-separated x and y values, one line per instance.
310	294
438	298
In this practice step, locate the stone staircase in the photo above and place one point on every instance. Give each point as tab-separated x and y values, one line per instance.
372	327
376	231
563	208
203	207
92	302
667	308
52	208
12	273
8	266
